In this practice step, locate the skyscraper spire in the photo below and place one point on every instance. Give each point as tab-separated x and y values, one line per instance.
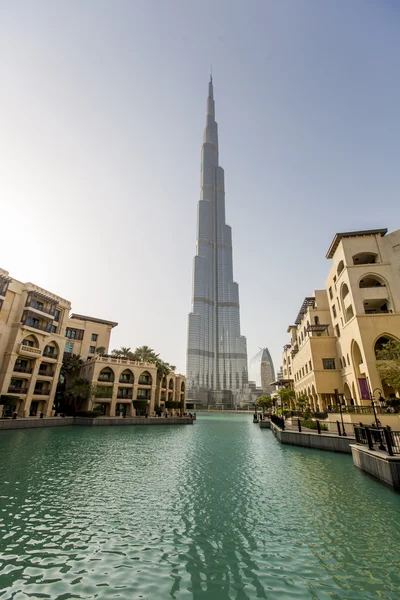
217	355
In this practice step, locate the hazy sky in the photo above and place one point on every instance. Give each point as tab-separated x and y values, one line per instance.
102	109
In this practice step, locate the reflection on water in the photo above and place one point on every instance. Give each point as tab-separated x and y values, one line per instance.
215	511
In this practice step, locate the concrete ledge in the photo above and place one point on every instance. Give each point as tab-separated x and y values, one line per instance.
102	421
33	422
377	463
333	443
265	424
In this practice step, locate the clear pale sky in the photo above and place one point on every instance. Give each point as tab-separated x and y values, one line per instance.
102	109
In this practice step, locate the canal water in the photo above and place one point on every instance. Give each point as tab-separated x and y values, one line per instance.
217	510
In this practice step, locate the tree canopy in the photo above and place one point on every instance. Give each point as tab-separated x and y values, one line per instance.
146	354
389	363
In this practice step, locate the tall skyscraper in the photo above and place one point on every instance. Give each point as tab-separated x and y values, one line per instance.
262	372
216	354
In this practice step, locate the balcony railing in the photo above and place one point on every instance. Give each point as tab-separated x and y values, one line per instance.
49	311
38	392
105	379
30	322
124	396
22	369
127	381
46	372
143	397
145	380
52	355
17	389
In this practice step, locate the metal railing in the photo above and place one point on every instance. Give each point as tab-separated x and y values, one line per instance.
22	369
278	421
383	437
356	410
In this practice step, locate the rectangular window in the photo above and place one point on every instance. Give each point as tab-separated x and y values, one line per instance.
330	293
94	337
306	369
334	311
53	329
310	365
69	347
337	330
328	363
92	349
56	315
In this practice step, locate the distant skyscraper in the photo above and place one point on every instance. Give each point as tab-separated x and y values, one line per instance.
261	371
216	354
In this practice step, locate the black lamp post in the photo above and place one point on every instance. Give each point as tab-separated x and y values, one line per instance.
338	401
380	400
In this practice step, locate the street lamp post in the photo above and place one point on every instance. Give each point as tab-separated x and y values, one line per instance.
340	409
380	400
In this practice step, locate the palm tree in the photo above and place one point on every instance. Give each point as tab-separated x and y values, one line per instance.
145	354
101	350
124	352
79	391
71	365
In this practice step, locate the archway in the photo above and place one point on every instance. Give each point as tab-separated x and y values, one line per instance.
347	393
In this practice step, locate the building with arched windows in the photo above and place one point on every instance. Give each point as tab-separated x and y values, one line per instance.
37	331
338	331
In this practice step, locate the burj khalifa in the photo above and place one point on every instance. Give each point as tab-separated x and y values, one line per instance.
216	352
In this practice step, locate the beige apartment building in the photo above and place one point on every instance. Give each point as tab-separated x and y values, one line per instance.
129	387
338	331
37	331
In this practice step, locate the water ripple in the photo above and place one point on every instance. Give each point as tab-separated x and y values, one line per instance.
217	511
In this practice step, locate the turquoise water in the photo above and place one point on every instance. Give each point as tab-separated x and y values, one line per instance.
217	511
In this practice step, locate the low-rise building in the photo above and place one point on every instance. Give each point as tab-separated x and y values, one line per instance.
124	386
37	331
338	331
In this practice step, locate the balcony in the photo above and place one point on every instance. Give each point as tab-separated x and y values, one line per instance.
377	306
26	370
41	308
375	293
141	396
104	379
40	392
46	373
16	389
50	355
36	324
124	396
144	381
30	351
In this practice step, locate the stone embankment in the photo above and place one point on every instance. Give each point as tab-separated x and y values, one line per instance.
308	439
34	422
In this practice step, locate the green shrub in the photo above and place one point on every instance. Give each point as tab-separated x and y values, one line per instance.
91	414
313	425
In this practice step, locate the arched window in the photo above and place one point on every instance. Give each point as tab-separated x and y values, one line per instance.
145	378
371	281
316	320
51	350
31	341
380	342
345	290
171	384
106	375
365	258
126	376
340	267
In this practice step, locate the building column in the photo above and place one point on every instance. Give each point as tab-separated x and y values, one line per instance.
113	400
53	389
152	400
31	387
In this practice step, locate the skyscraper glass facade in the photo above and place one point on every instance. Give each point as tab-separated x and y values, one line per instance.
216	353
261	371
